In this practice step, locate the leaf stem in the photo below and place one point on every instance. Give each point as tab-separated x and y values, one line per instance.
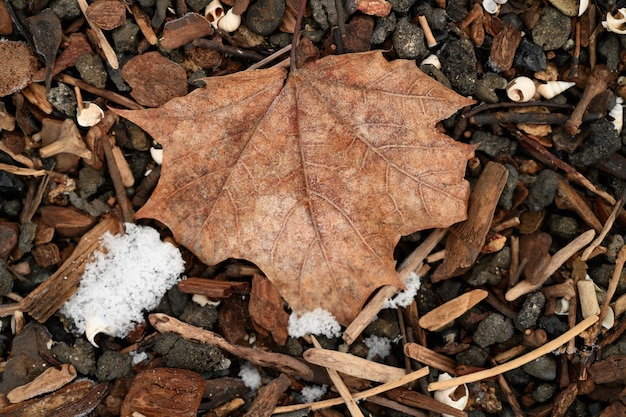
296	36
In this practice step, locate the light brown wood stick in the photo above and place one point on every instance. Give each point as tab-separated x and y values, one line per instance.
287	364
516	363
353	365
430	357
608	225
341	387
107	49
556	261
410	264
455	308
318	405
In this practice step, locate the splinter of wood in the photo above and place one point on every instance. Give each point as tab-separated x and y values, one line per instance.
516	363
455	308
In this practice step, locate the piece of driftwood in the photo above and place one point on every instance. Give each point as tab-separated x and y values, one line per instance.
48	297
559	258
430	357
46	406
516	363
212	288
419	400
353	365
467	238
373	307
267	397
445	313
49	380
567	198
287	364
408	378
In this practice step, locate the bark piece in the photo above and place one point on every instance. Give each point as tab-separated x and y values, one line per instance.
9	233
266	399
445	313
18	63
184	30
77	45
106	14
48	381
266	309
419	400
45	28
154	79
164	391
6	24
319	204
211	288
46	255
503	48
430	357
47	406
534	248
67	221
609	370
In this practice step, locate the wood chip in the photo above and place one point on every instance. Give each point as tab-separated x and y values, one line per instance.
212	288
45	406
419	400
48	381
267	397
106	14
429	357
67	221
266	309
503	48
445	313
184	30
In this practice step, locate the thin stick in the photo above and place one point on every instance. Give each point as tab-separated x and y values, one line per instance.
270	58
608	225
296	35
22	171
410	264
516	363
122	198
341	387
109	95
357	396
610	292
109	53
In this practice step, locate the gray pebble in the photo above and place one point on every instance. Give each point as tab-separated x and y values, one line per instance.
486	88
563	227
553	325
458	62
198	5
506	198
602	274
490	268
91	69
63	99
474	356
517	377
147	4
160	12
81	355
280	40
609	49
264	16
543	392
113	365
494	329
541	192
359	349
530	56
293	347
12	208
125	37
200	316
616	242
138	138
436	74
543	368
66	9
408	40
199	357
94	208
531	310
115	75
514	20
324	13
384	27
6	279
383	328
401	6
493	145
603	142
552	30
435	16
89	180
457	9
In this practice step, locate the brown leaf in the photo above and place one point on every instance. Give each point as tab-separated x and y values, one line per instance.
45	28
314	179
18	63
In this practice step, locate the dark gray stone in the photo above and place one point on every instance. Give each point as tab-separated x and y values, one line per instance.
474	356
200	316
531	310
383	328
89	180
490	268
543	368
616	242
113	365
198	5
199	357
324	13
63	99
563	227
530	56
494	329
458	62
506	198
91	69
125	37
264	16
6	279
552	30
457	9
609	49
408	40
384	27
603	142
486	88
517	377
401	6
493	145
66	9
541	192
81	355
602	274
436	74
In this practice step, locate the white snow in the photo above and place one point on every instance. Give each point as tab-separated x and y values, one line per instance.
405	298
378	346
250	376
318	321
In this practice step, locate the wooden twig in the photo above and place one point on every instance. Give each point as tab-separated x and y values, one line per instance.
455	308
104	44
417	399
122	198
430	357
508	394
516	363
567	198
394	405
101	92
408	378
212	288
410	264
291	366
608	225
268	396
555	263
341	387
353	365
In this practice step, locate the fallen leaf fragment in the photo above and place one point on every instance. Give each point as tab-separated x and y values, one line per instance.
312	176
45	28
18	63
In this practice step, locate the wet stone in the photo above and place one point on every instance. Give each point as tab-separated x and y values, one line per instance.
541	192
530	56
384	27
552	30
494	329
563	227
293	347
458	62
81	355
198	5
91	69
408	40
280	40
160	12
506	198
514	20
486	88
493	145
457	9
490	268
264	16
544	392
603	142
11	208
530	311
602	274
113	365
324	13
517	377
65	9
63	99
474	356
435	16
200	316
383	328
125	38
543	368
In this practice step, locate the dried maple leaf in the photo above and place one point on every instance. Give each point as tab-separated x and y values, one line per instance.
314	179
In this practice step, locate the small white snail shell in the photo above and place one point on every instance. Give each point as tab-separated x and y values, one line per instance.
609	319
553	88
213	12
90	115
617	23
230	22
432	60
96	325
521	89
443	396
583	5
156	154
491	6
562	307
617	114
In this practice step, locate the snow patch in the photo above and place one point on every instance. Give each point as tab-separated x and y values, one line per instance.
318	321
405	298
